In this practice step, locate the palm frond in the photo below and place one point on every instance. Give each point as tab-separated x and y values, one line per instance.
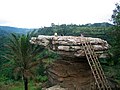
39	61
24	55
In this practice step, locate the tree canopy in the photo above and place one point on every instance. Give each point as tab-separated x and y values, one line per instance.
115	34
24	56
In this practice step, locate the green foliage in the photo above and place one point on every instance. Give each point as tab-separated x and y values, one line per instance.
113	72
114	35
7	30
18	85
94	30
116	15
42	78
23	56
21	53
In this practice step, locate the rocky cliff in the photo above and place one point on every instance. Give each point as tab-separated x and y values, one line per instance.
72	71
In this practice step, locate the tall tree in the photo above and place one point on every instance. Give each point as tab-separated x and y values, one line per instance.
115	33
24	56
116	15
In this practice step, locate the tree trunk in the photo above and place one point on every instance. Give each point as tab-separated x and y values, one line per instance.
25	83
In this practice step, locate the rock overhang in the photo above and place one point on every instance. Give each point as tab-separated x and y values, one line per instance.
71	46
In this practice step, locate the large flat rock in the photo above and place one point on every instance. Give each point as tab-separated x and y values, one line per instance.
71	46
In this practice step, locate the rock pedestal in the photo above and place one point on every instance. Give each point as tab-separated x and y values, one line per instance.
72	71
72	74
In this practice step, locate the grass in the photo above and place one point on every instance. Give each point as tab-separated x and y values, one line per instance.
18	86
6	84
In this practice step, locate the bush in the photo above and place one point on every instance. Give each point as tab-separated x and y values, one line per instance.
42	78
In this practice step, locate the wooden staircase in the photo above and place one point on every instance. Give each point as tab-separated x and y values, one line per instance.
96	68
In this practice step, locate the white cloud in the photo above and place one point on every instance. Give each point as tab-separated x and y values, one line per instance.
37	13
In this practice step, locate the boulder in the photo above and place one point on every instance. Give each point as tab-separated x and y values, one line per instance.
71	46
56	87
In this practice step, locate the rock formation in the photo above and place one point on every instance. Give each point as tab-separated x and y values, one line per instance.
70	46
72	71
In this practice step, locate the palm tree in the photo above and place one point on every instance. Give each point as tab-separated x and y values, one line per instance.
25	56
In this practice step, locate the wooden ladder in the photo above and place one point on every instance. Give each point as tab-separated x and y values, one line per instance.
96	68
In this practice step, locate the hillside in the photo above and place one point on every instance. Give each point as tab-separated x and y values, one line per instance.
100	30
92	30
4	32
63	29
7	29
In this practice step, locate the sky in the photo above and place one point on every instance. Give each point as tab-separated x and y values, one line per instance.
40	13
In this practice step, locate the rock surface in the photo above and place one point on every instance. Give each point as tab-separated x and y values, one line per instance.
56	87
71	74
72	71
70	46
